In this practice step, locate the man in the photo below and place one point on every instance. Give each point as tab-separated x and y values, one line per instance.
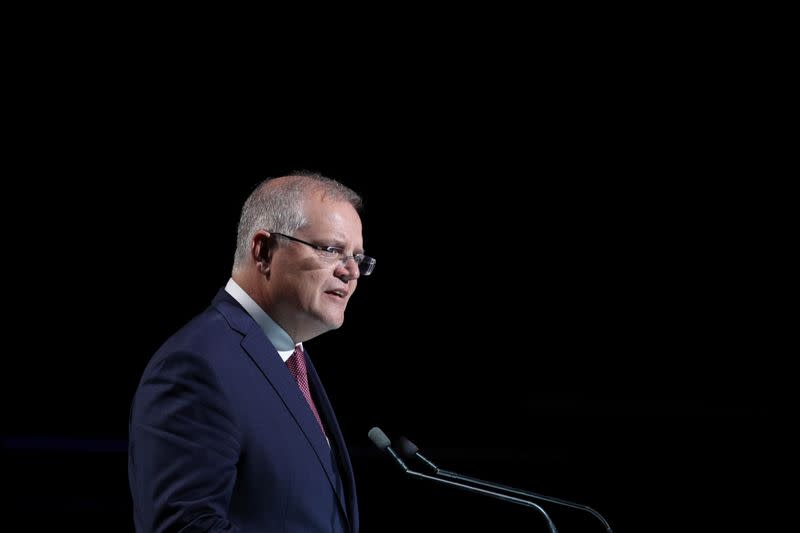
223	435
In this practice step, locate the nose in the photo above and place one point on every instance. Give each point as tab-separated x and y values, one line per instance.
348	264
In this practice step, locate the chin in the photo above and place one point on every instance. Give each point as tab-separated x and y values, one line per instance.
330	322
336	323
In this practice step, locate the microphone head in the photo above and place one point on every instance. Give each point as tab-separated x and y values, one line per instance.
406	447
379	438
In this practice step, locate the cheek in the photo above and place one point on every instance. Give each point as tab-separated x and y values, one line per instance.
311	287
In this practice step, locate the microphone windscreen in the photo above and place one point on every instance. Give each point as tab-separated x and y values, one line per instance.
406	447
379	438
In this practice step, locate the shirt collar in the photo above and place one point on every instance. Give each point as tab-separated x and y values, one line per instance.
276	335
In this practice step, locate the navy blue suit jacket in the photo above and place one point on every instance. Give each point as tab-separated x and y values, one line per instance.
221	438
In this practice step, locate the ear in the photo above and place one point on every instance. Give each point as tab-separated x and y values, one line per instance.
262	250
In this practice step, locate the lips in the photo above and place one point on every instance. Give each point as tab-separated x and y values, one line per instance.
337	292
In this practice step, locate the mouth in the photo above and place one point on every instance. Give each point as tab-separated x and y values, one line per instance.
338	294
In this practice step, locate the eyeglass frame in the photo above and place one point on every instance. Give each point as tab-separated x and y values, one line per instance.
365	259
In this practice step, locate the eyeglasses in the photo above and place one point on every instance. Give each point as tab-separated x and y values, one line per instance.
332	254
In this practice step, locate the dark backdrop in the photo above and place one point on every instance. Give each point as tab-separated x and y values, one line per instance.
568	309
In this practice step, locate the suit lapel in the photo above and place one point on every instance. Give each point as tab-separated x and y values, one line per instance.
275	371
337	440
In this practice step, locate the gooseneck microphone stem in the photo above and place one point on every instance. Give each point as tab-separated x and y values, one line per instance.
409	450
397	458
382	442
519	492
425	461
477	490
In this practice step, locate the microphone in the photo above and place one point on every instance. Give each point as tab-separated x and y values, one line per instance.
382	442
409	450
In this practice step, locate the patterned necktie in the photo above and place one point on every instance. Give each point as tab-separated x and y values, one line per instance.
297	365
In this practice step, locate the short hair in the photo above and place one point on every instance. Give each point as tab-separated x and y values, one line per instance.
276	205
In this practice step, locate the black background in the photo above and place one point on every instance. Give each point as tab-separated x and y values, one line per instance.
566	298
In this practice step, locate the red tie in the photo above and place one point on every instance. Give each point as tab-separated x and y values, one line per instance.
297	365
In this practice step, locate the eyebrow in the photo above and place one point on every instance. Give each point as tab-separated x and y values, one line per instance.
339	243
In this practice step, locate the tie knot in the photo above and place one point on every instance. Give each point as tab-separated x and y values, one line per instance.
297	366
297	363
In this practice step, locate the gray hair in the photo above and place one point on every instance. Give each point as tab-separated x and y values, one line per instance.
276	205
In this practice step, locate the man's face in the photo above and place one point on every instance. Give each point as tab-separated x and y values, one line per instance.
308	294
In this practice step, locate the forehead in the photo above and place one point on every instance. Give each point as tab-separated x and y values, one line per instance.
332	215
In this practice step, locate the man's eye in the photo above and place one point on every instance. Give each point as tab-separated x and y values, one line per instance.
330	250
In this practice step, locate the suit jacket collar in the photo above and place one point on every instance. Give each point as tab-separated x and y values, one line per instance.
274	370
337	441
